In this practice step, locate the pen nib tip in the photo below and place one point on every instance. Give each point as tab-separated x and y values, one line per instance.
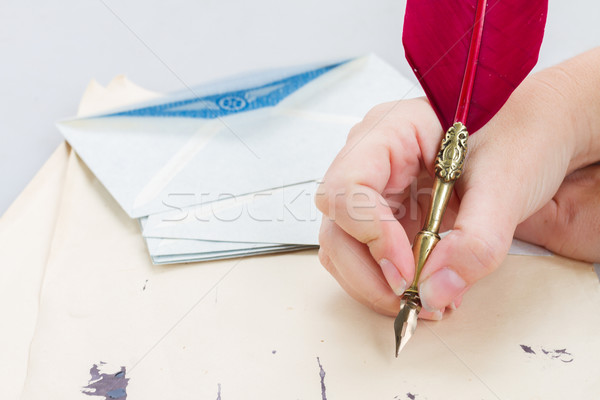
406	321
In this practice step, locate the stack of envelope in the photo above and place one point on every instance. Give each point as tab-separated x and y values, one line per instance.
230	168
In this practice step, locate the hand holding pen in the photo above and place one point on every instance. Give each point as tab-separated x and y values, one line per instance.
529	172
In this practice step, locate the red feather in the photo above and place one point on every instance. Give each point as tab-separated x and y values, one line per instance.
469	55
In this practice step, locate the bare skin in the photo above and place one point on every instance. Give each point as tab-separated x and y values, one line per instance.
530	172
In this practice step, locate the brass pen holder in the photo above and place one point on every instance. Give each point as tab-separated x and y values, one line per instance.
448	167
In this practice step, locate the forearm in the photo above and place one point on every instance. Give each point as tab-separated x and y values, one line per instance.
574	88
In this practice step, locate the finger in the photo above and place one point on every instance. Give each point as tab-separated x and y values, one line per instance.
476	246
325	242
351	264
382	152
433	316
329	265
570	223
357	293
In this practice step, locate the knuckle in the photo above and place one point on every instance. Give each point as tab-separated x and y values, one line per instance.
327	191
368	237
355	131
333	194
380	109
365	226
325	233
322	198
324	259
378	300
379	116
565	221
567	210
487	252
371	239
356	207
338	202
377	242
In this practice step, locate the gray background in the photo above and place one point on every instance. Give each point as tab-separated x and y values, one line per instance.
49	51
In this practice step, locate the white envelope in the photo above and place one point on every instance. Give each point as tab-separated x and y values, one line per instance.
240	136
178	250
285	215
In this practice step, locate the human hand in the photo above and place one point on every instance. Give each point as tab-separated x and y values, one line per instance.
515	165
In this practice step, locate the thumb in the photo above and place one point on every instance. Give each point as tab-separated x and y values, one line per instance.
477	245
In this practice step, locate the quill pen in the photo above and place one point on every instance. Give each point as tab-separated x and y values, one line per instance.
469	56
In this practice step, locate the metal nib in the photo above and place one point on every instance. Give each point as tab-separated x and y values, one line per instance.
406	321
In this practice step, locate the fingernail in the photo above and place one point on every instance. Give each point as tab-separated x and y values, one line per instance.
393	277
440	289
456	303
437	315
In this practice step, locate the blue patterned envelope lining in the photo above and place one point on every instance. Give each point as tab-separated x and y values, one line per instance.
220	105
